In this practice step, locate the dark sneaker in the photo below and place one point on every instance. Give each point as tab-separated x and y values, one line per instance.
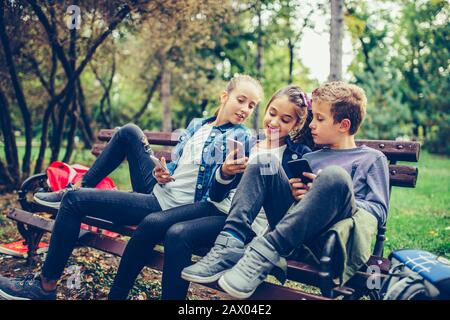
226	252
24	288
52	199
252	269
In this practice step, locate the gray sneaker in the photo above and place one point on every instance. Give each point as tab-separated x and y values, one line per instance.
52	199
24	288
242	280
226	252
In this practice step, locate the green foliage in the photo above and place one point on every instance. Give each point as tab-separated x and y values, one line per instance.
438	137
388	117
402	63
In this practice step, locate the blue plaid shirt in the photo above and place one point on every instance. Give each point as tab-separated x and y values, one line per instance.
214	151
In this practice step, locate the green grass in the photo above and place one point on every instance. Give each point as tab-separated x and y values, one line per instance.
418	218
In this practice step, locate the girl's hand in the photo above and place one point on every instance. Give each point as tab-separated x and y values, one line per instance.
233	166
298	188
162	175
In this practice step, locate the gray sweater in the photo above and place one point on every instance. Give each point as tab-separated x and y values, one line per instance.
369	171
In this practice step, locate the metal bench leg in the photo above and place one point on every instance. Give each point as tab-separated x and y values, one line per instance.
326	268
32	238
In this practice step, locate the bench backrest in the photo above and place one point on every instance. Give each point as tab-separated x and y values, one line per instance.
400	175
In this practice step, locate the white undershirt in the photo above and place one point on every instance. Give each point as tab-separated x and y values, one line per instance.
260	226
182	190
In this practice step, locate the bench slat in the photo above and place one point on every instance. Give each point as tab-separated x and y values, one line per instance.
394	150
159	138
99	147
400	175
403	176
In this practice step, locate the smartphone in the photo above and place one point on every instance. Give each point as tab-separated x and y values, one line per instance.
158	162
234	144
298	166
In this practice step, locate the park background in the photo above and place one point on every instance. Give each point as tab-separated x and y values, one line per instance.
161	63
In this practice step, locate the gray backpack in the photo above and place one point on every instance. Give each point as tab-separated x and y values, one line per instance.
417	275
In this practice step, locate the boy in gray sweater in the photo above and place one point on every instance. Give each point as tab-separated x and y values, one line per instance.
346	178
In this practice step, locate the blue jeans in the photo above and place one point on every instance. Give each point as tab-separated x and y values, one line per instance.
125	208
330	200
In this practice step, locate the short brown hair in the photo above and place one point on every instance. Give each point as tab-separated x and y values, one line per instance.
347	101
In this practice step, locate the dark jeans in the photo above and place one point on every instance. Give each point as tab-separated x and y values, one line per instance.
173	224
126	208
330	200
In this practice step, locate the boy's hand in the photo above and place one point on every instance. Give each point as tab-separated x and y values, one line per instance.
298	188
161	174
233	166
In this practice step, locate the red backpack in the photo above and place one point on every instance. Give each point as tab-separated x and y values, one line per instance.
60	174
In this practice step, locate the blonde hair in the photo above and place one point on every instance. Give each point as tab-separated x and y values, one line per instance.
238	78
347	101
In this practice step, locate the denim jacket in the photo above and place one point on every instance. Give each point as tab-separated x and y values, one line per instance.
219	191
214	150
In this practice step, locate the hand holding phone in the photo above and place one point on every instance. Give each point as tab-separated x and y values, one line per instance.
158	162
160	172
297	167
235	147
236	161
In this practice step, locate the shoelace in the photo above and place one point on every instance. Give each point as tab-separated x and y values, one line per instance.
212	255
250	267
27	279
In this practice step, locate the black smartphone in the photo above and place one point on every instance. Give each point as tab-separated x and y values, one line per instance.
298	166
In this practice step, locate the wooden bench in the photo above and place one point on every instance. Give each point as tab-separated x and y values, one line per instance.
32	224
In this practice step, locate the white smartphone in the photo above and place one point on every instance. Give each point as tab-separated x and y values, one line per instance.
158	162
234	144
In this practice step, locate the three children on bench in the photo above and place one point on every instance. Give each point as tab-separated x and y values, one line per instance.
246	205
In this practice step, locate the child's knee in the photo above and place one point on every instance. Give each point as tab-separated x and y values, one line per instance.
335	175
177	234
70	198
130	130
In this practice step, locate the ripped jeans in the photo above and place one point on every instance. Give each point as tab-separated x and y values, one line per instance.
120	207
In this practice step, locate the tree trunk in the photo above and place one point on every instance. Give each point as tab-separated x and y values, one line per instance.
105	117
150	92
85	124
10	172
73	113
72	130
44	136
6	181
291	60
336	36
71	94
19	94
259	58
165	98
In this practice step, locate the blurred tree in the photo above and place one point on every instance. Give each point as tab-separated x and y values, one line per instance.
388	116
336	36
423	46
402	62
